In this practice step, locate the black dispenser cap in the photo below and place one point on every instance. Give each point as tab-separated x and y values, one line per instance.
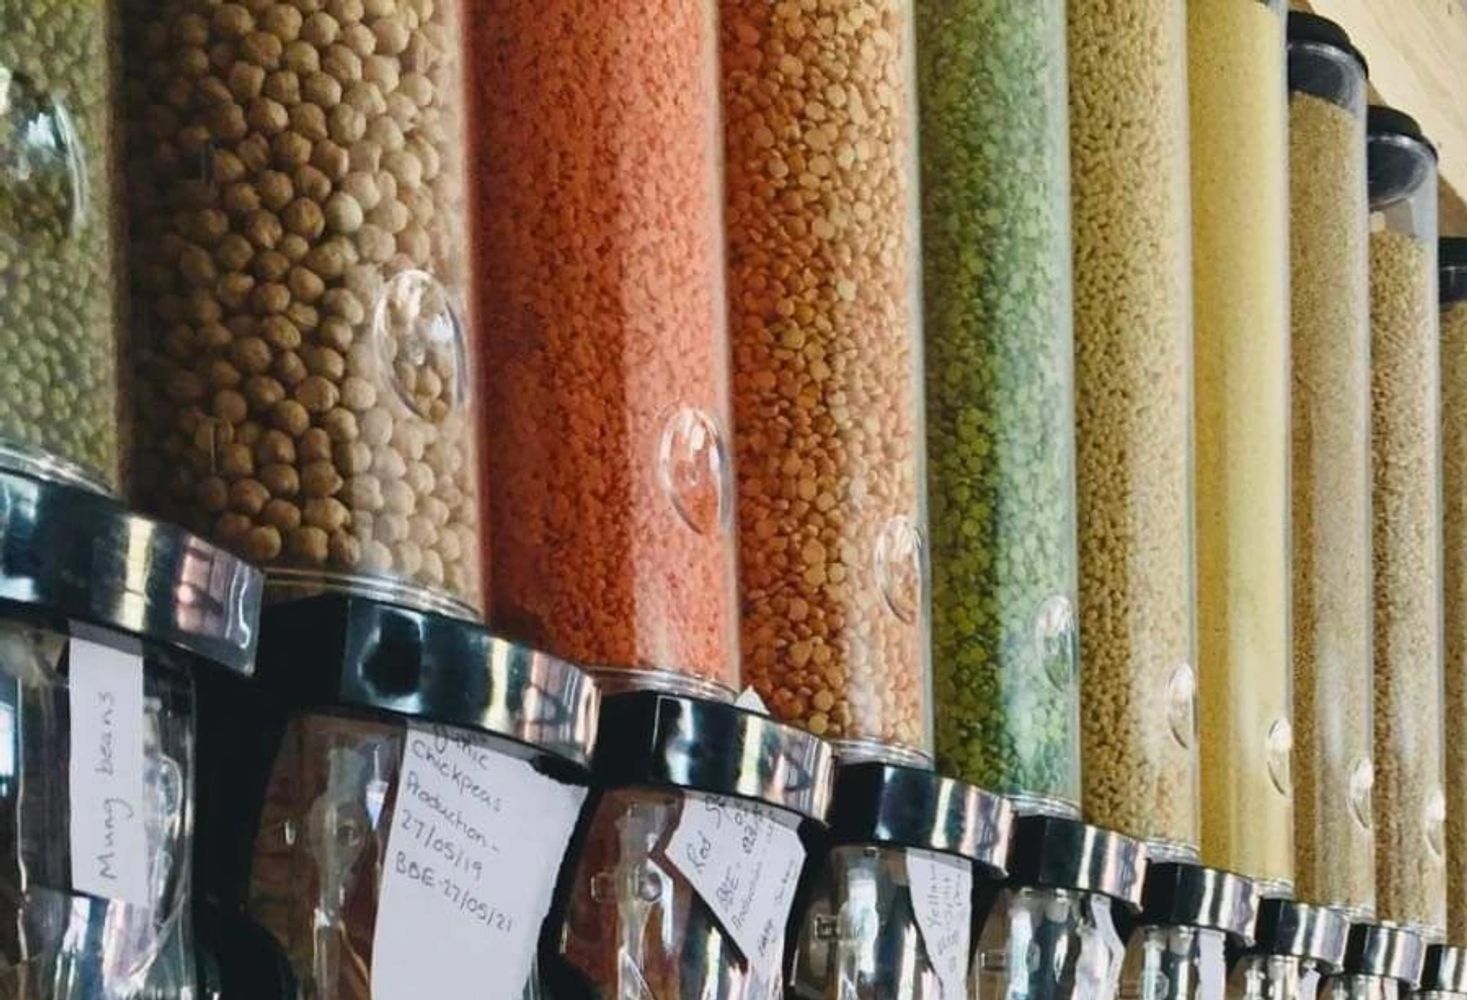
1055	852
340	652
880	803
1445	969
1307	28
1177	894
70	555
1400	160
1452	265
1386	951
1316	933
656	738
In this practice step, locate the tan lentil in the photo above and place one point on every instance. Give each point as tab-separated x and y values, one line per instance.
1133	385
823	283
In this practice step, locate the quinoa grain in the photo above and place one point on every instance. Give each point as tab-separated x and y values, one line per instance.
1406	439
1334	847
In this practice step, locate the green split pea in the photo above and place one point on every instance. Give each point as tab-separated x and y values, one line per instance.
60	304
999	394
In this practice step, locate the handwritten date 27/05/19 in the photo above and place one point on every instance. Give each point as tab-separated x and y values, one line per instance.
427	833
455	893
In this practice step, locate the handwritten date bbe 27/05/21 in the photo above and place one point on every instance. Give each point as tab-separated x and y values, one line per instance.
445	880
443	828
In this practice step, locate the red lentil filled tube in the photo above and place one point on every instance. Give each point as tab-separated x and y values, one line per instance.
819	106
599	245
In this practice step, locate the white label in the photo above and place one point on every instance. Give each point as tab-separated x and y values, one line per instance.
745	865
750	701
477	839
942	899
109	855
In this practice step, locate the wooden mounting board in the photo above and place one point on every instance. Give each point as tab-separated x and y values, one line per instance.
1417	50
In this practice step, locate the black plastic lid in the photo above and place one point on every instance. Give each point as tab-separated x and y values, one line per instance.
338	651
1399	162
1176	894
1063	853
1385	951
1382	121
881	803
1308	28
1445	969
1288	927
1452	251
67	554
656	738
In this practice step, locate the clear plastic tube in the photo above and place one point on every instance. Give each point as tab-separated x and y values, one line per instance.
1133	394
824	285
1410	805
1240	198
1331	529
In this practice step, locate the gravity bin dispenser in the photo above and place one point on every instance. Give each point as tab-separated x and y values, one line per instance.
1189	917
683	873
885	910
1382	962
1295	947
1055	929
109	625
403	793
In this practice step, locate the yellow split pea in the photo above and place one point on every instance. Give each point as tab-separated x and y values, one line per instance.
823	270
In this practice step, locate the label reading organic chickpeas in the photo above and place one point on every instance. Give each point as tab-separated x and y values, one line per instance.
744	863
477	839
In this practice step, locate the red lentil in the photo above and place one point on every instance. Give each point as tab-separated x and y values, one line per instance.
600	250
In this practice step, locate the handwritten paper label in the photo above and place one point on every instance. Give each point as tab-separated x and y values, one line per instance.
109	856
745	864
942	899
477	839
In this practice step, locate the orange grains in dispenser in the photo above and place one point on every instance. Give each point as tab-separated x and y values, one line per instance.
604	344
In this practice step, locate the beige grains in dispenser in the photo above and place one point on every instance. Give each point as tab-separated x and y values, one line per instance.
1133	401
297	223
1240	273
1334	845
1410	809
1453	276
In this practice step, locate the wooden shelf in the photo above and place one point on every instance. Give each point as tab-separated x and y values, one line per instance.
1417	50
